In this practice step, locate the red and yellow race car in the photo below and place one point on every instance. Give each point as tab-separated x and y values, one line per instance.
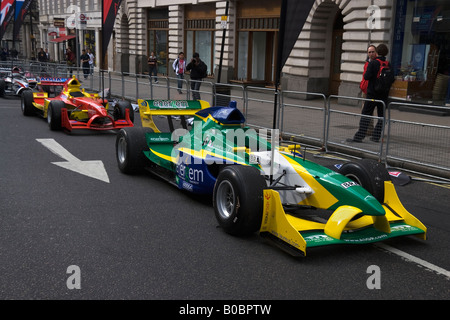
74	108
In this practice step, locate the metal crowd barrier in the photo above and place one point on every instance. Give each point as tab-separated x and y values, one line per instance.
320	121
300	118
420	143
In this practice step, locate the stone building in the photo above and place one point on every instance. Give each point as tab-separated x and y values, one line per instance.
328	56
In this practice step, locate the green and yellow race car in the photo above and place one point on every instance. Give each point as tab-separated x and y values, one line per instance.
261	185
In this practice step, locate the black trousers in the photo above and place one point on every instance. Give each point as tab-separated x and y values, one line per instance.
368	109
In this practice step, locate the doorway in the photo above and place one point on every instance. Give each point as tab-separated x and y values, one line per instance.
336	54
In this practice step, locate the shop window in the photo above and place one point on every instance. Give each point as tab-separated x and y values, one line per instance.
201	42
158	29
420	52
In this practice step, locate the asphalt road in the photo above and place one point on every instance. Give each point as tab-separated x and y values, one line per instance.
137	237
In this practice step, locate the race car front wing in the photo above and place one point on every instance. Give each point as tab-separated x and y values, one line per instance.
95	122
345	226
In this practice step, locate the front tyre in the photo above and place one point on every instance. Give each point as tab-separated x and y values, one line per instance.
369	174
27	103
238	199
120	110
2	87
130	146
54	118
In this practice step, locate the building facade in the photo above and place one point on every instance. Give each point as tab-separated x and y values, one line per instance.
328	56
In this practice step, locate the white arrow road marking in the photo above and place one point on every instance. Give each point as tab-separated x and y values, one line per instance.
93	169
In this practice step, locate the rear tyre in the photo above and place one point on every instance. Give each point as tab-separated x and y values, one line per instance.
27	103
2	88
130	146
238	199
54	114
370	174
120	110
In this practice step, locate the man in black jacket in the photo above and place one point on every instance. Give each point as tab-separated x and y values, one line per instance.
371	75
198	71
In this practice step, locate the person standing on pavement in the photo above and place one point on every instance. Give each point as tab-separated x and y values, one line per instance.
41	55
47	55
371	74
84	59
179	66
198	71
152	62
371	55
91	61
70	60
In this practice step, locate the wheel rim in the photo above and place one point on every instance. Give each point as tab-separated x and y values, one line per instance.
122	149
226	202
49	115
354	178
22	105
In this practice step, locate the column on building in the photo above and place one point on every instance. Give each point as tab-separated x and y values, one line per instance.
97	53
176	31
310	65
364	25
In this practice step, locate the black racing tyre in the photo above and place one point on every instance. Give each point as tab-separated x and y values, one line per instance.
238	199
54	114
2	88
130	146
120	110
370	174
27	103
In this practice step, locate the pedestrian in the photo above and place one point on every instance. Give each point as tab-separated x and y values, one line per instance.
47	55
179	66
198	70
41	55
14	53
70	60
371	55
371	75
91	61
4	54
152	62
84	59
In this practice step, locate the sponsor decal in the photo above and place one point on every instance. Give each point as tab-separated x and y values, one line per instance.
53	79
395	173
349	184
171	104
190	174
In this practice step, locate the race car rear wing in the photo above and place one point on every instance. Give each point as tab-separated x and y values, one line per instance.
169	108
47	81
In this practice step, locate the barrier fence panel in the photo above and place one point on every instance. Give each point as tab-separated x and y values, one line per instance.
224	93
205	93
416	142
306	119
260	106
343	124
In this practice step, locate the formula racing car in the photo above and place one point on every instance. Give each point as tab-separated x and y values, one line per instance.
260	185
15	81
74	108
